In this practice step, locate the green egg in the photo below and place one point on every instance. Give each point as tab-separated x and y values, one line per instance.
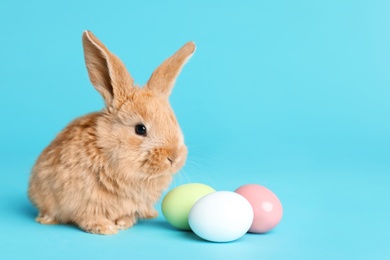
177	204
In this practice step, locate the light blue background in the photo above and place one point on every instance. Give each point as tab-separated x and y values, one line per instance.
293	95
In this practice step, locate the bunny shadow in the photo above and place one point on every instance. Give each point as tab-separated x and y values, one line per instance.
19	207
28	210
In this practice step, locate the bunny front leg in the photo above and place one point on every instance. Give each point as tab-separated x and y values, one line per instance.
148	213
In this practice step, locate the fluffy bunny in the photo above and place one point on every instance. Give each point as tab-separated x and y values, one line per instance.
107	169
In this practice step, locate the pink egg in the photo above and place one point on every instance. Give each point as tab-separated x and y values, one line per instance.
266	206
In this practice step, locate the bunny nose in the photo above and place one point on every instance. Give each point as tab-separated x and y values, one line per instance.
170	160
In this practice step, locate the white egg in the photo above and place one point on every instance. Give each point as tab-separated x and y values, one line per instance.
221	216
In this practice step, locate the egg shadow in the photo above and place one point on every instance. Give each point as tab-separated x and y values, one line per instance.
162	224
260	234
188	234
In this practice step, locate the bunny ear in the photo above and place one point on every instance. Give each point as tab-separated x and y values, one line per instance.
106	71
164	77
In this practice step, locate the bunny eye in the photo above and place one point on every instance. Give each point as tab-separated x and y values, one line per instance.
140	129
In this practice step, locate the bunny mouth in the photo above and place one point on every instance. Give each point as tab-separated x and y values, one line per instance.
159	168
159	163
164	160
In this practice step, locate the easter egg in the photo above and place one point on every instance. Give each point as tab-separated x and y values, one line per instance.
266	206
178	202
222	216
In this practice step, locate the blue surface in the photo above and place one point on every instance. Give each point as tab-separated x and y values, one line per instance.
293	95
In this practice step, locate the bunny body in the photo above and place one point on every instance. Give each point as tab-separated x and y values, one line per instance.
101	173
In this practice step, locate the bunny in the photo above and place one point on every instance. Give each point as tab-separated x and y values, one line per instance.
107	169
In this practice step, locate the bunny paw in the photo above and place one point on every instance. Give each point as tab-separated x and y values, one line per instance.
101	228
125	222
46	219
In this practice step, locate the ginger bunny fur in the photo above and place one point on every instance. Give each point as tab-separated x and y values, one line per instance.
107	169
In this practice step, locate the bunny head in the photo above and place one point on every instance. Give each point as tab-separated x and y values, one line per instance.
138	131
